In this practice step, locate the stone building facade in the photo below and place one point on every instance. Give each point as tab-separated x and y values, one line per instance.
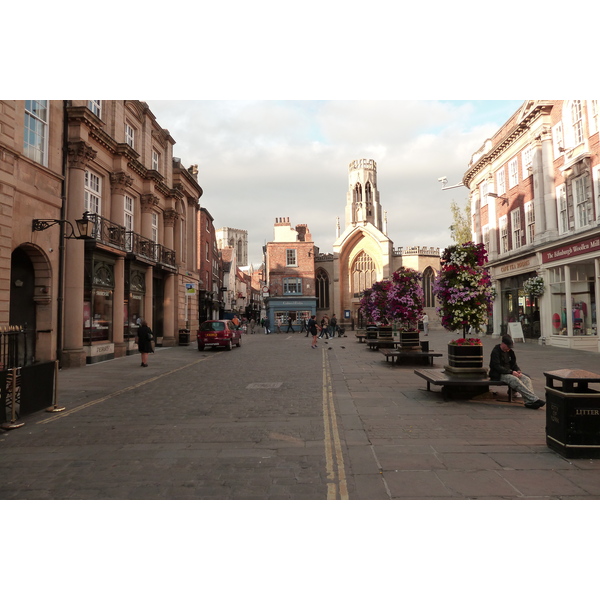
82	299
535	203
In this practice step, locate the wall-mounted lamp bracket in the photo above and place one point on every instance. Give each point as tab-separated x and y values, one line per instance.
85	227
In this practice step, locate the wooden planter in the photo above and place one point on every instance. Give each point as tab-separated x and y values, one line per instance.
465	357
409	340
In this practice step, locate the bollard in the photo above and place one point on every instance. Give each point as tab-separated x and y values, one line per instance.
55	407
14	379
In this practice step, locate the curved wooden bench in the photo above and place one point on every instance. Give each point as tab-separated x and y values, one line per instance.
447	380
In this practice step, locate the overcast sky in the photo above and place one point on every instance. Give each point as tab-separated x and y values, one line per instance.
259	160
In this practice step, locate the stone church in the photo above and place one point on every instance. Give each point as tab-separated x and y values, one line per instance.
363	253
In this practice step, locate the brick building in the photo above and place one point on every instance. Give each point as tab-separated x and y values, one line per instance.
535	203
210	270
291	273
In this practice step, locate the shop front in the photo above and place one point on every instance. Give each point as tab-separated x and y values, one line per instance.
279	308
98	308
513	304
572	273
135	293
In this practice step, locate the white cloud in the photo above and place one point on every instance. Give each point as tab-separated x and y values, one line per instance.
261	160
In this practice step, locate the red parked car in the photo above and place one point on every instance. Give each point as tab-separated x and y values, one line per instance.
214	334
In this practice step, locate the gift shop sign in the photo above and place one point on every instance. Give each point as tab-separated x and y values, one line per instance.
571	250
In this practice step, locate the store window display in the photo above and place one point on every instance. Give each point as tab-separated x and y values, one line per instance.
576	281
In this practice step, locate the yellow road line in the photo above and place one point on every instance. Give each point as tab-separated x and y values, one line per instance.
118	393
337	482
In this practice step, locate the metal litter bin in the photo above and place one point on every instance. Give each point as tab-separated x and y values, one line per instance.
372	332
573	413
184	337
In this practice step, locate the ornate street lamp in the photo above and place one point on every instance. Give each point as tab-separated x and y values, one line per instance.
85	227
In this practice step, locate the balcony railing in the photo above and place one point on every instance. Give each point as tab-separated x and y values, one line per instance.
112	234
107	232
142	246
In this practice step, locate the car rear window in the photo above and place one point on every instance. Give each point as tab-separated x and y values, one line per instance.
212	326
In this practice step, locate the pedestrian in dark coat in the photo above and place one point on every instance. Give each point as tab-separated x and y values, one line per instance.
144	341
504	367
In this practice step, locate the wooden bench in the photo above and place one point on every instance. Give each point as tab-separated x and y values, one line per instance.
415	355
380	343
447	380
361	334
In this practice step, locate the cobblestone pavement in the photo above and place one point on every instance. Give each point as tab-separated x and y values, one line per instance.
276	419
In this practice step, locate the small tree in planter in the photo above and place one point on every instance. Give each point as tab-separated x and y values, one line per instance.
464	292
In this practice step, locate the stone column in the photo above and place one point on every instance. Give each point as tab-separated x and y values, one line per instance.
192	238
80	154
149	284
148	205
119	182
119	307
170	300
549	197
568	303
538	186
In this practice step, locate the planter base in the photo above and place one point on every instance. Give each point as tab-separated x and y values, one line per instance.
466	373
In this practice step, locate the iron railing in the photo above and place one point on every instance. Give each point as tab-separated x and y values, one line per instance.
13	347
147	248
112	234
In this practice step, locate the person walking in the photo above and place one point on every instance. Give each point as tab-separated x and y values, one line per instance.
144	342
503	367
324	327
290	326
313	329
267	325
425	320
333	326
252	325
278	324
303	327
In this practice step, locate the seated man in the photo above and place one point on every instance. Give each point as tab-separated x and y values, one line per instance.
503	367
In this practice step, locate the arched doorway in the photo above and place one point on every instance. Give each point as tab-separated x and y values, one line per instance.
22	305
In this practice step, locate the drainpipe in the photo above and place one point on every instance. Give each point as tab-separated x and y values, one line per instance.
61	247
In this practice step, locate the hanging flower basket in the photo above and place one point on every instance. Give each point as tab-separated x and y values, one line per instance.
534	286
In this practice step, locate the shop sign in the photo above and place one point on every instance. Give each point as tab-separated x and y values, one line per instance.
519	265
190	288
571	250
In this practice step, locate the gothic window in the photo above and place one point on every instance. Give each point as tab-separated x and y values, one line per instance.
428	278
357	201
363	273
369	199
322	291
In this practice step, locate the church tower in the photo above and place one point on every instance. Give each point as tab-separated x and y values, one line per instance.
362	200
